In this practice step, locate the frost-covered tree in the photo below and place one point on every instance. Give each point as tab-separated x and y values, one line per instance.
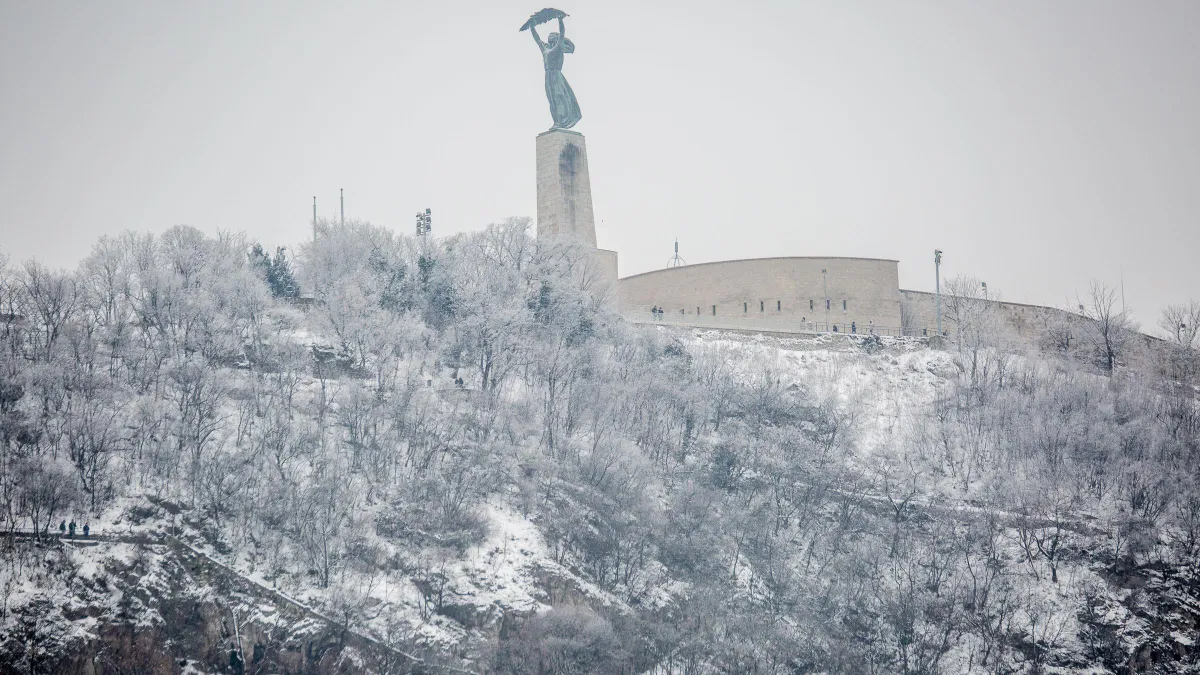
1109	330
979	333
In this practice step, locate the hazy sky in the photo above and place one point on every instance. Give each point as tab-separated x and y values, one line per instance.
1039	144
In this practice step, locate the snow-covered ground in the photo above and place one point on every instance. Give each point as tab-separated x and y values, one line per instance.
448	601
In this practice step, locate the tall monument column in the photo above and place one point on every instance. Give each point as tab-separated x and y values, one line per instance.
564	189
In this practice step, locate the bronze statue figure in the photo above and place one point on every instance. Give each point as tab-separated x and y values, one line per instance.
563	106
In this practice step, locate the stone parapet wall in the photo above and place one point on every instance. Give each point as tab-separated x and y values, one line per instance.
1026	322
773	291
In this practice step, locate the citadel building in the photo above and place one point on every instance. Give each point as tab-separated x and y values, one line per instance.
780	294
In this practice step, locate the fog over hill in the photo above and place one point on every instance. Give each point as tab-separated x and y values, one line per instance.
387	454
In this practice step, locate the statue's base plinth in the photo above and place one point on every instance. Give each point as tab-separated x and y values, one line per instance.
564	206
564	189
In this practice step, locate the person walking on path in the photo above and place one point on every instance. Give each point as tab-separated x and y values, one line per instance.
86	529
71	529
62	528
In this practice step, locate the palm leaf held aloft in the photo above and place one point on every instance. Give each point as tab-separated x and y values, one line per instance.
542	16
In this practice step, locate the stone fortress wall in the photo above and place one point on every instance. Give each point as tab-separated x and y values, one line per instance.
771	294
1027	322
786	294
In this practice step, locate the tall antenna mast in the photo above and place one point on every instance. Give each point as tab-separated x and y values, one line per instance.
676	261
342	196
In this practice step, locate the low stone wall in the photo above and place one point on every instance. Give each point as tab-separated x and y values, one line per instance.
1025	322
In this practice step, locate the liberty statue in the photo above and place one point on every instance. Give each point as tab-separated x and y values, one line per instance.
563	106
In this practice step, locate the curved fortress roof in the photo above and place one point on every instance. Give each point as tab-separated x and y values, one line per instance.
775	257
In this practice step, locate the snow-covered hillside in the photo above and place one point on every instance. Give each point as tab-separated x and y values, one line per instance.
454	458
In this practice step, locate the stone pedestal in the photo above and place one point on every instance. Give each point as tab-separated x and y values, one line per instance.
564	206
564	191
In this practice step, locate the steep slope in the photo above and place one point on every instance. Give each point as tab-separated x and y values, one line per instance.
455	459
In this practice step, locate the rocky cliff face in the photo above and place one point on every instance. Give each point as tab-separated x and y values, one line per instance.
154	608
158	604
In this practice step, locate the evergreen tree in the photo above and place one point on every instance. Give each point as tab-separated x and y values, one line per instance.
280	277
276	272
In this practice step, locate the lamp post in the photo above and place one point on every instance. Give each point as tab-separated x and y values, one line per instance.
314	217
825	285
984	285
937	280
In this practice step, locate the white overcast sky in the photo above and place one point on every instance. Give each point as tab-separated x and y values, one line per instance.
1039	144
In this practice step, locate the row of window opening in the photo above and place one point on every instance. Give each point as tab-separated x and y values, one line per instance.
762	306
779	306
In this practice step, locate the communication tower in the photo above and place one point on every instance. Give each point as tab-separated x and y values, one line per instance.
676	261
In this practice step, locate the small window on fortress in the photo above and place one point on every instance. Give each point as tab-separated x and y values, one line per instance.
826	304
714	310
761	304
697	311
745	307
843	305
778	305
810	305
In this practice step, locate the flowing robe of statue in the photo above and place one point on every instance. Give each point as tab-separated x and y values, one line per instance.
563	106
